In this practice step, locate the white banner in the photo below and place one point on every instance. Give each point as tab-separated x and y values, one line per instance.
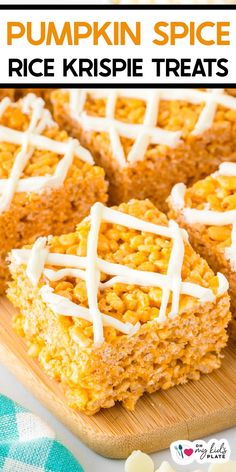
102	46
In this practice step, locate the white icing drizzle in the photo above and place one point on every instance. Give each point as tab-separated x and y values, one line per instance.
4	104
89	269
207	115
173	273
77	100
113	132
177	196
209	217
62	306
230	252
223	284
20	162
142	134
227	169
146	133
37	260
92	271
30	140
150	119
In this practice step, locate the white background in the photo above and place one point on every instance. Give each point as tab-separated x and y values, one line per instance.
147	50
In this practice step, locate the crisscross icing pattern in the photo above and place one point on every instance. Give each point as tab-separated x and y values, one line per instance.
207	216
148	132
30	140
89	269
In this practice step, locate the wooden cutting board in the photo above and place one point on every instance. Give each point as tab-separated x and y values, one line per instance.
185	412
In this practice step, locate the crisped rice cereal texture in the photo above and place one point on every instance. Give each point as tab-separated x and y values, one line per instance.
53	211
158	356
219	193
162	166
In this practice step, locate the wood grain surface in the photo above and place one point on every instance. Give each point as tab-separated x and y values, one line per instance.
185	412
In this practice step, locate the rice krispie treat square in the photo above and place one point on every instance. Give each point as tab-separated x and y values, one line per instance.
208	211
120	307
148	140
47	180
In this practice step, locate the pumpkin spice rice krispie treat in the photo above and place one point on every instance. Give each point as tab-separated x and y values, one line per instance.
47	180
208	211
148	140
120	307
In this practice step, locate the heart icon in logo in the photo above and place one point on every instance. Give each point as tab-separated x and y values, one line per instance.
188	452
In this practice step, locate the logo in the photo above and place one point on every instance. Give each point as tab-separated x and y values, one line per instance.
214	451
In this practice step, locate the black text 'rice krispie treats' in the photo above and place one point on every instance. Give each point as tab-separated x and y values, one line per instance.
120	307
148	140
47	180
208	211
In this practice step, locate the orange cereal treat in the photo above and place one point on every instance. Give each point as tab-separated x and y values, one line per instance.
149	140
208	211
47	180
7	92
121	307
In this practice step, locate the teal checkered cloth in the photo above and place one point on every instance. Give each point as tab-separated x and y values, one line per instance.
27	444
